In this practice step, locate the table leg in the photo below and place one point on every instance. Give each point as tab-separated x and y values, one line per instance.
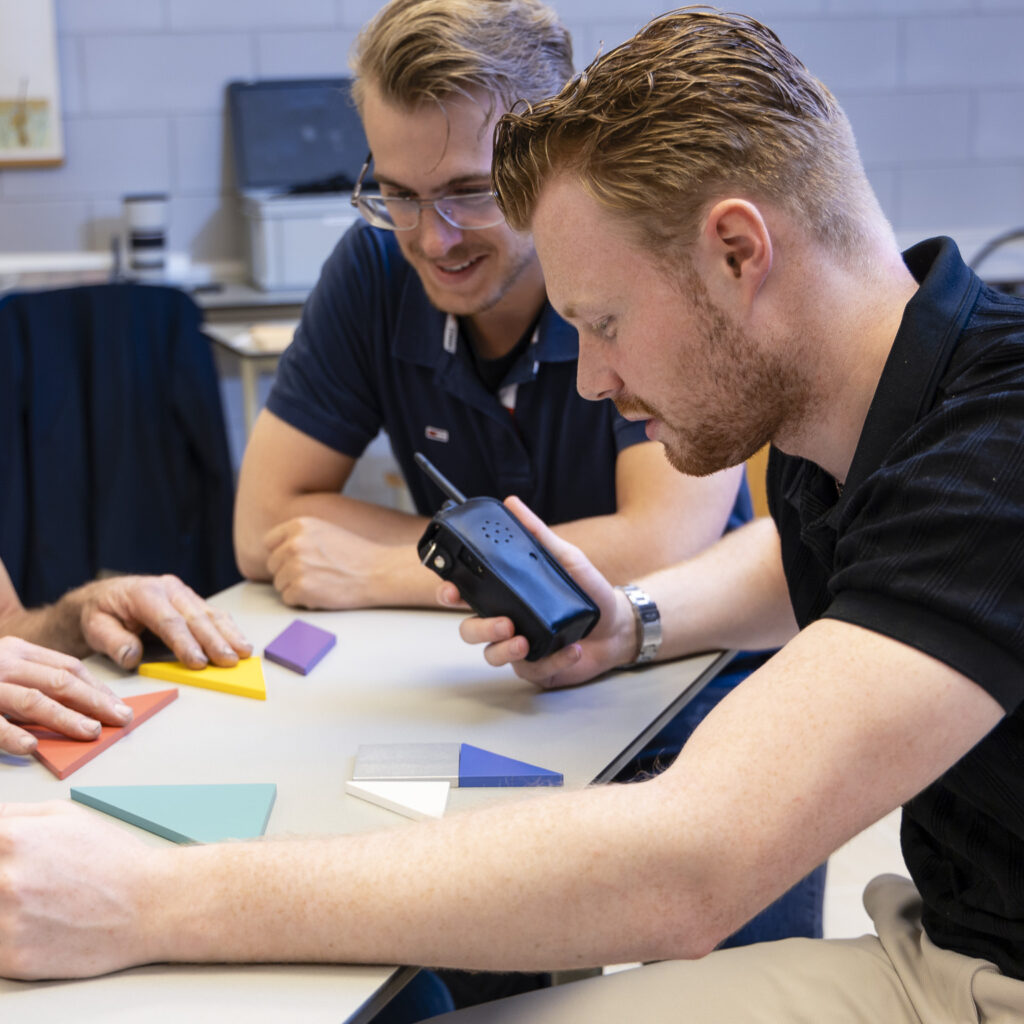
250	382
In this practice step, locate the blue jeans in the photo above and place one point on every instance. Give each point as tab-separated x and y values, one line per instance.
424	996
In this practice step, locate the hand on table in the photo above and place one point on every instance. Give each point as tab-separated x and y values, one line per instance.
113	612
67	887
612	641
317	564
43	687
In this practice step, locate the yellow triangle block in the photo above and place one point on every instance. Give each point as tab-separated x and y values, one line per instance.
244	679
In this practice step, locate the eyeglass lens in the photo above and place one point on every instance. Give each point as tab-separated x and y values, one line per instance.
471	211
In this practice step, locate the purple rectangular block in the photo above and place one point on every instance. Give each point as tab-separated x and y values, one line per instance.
300	646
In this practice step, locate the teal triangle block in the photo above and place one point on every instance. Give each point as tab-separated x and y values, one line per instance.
479	767
186	814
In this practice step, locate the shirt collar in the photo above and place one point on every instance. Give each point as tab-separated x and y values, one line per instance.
932	323
419	332
558	341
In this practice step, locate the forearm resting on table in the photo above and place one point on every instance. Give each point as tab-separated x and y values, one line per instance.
374	522
778	775
396	897
57	626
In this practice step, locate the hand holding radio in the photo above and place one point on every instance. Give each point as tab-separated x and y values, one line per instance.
500	569
610	643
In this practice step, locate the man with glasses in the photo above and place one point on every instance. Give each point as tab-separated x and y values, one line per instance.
430	321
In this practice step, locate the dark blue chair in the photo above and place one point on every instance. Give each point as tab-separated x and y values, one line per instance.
113	451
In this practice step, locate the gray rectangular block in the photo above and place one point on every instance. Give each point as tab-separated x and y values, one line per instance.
408	761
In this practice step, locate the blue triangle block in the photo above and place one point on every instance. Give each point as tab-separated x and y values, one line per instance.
483	768
186	814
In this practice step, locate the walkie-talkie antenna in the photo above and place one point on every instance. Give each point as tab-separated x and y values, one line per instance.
439	478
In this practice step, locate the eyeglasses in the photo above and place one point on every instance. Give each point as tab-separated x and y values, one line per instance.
468	211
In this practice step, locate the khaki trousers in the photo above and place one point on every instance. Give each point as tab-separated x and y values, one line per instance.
895	977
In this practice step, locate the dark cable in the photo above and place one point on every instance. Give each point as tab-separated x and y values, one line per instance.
995	243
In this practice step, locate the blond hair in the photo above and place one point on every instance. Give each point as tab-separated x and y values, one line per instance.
699	104
417	51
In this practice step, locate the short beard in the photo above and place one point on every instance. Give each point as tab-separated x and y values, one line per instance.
755	394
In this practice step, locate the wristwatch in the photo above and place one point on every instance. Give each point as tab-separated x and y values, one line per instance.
648	624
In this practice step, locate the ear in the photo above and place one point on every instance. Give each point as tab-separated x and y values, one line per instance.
736	246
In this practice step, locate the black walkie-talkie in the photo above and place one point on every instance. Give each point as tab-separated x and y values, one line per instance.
499	568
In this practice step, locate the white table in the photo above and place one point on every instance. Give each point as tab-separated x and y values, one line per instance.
242	341
394	676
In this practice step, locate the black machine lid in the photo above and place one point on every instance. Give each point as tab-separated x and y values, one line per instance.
295	135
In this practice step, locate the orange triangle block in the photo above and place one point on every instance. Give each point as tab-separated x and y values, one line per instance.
244	679
64	756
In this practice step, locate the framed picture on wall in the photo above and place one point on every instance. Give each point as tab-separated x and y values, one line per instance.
30	124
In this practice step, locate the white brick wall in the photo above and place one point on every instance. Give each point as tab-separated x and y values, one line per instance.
934	88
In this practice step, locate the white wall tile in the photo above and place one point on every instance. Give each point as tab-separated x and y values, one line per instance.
298	54
911	128
208	227
356	13
590	40
933	87
884	182
768	12
972	196
70	73
44	227
605	10
999	130
107	220
203	15
577	31
162	73
845	53
975	51
103	156
202	157
893	7
81	16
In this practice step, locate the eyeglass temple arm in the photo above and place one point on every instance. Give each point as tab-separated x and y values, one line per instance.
359	181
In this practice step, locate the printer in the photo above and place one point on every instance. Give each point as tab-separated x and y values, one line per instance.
298	146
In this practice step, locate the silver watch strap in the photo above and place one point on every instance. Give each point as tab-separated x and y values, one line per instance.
648	624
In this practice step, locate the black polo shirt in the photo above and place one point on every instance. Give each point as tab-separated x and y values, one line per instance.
371	353
926	545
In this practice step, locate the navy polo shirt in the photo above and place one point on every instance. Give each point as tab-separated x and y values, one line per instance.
369	354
